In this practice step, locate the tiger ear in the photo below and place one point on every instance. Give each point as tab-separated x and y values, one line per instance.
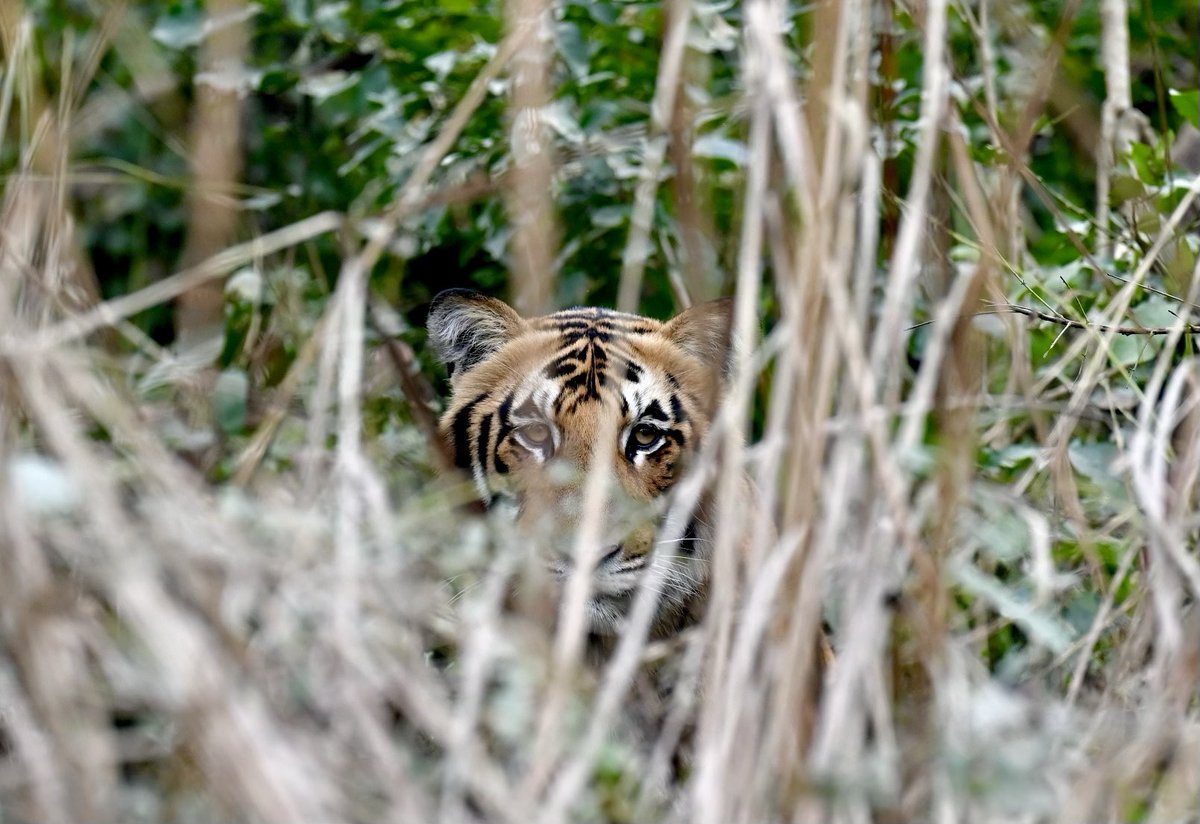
465	327
703	331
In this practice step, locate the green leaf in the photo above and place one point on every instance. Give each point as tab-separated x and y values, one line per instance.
1124	188
1081	609
1001	532
1095	461
1145	162
1130	350
574	49
1178	262
609	217
1187	104
604	13
1155	311
721	148
442	63
179	30
230	394
1042	626
325	85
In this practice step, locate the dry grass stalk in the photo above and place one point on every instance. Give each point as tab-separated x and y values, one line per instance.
531	178
216	161
1118	99
666	90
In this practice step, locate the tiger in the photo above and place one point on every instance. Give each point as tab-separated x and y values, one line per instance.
535	402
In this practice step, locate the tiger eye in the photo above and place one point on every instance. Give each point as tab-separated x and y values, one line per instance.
645	435
536	433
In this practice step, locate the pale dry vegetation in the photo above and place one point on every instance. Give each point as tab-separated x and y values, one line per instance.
214	608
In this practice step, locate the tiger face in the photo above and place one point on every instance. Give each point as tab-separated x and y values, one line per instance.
537	402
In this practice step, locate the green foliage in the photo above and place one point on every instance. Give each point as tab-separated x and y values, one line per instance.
339	98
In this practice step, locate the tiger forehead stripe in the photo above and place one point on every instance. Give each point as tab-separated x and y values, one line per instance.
654	410
599	320
593	312
595	352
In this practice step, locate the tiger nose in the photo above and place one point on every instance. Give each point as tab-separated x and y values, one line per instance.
639	542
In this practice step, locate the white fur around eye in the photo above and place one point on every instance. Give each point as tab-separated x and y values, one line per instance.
637	397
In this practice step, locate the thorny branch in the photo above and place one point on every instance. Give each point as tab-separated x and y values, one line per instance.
1191	328
1062	320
